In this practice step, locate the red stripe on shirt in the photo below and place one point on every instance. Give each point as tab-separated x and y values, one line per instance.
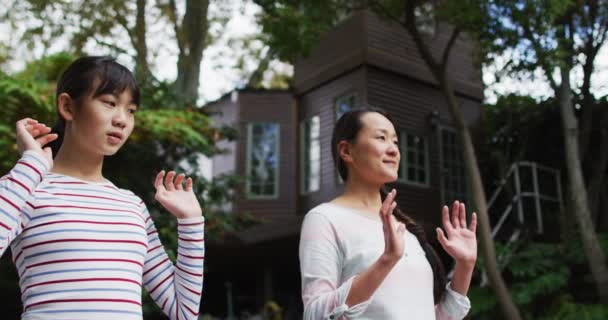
84	240
82	300
83	260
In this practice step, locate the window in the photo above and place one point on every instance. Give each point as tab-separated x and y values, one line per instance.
453	178
262	160
343	104
311	154
414	159
425	18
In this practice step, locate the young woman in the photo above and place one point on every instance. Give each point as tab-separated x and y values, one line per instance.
83	248
361	257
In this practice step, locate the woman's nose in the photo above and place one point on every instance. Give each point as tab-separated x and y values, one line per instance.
120	119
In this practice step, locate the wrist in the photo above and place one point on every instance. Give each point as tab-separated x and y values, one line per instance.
388	260
466	264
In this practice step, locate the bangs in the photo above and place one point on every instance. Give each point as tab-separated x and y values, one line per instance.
113	78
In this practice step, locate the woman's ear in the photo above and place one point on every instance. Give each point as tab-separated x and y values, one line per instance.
344	151
65	106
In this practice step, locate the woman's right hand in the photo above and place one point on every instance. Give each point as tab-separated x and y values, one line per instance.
394	242
32	135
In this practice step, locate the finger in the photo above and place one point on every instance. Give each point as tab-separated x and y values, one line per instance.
158	183
179	180
401	228
388	201
189	184
473	226
445	217
455	208
169	181
48	151
463	216
441	237
46	139
39	129
392	221
26	121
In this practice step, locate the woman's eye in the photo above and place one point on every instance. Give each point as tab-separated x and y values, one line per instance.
110	103
132	111
396	142
382	138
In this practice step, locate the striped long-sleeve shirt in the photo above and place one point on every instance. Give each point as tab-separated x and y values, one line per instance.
83	250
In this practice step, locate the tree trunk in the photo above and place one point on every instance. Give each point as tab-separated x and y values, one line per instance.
509	309
578	192
142	69
439	72
192	42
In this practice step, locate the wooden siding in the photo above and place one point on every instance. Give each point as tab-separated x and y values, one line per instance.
278	107
364	38
224	112
320	101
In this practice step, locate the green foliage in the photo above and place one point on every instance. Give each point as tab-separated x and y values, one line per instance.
542	277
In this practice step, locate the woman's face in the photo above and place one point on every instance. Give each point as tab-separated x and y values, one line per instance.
374	155
102	124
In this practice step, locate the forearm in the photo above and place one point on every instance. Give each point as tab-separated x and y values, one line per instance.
366	283
461	279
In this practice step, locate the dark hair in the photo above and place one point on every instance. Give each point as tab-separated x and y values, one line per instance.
92	75
347	128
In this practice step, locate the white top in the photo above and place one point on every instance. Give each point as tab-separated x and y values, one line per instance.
337	243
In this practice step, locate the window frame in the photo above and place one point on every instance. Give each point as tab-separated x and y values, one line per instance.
248	194
403	165
303	155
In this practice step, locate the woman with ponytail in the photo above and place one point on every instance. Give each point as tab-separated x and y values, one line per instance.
83	247
361	257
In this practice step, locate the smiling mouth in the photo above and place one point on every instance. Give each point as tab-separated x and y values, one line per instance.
114	137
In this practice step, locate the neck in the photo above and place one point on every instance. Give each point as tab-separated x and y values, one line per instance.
361	194
76	162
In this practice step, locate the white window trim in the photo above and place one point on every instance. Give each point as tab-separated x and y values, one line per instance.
303	157
248	193
403	179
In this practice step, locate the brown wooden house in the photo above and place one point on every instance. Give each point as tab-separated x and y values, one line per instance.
284	149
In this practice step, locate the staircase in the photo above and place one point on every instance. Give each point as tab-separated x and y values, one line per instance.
528	199
527	191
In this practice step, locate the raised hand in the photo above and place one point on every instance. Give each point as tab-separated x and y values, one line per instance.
461	242
180	202
32	135
394	242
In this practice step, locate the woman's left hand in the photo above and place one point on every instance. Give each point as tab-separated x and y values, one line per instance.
180	202
461	242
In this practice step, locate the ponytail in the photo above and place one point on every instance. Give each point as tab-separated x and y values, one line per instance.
439	276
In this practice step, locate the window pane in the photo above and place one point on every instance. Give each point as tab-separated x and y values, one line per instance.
263	157
414	159
311	155
343	104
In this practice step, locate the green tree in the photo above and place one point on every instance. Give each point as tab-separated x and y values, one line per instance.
107	23
557	37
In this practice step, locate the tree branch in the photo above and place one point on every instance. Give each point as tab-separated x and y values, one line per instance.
448	47
111	46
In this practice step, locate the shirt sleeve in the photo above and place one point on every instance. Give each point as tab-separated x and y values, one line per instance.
453	305
320	264
16	187
176	289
